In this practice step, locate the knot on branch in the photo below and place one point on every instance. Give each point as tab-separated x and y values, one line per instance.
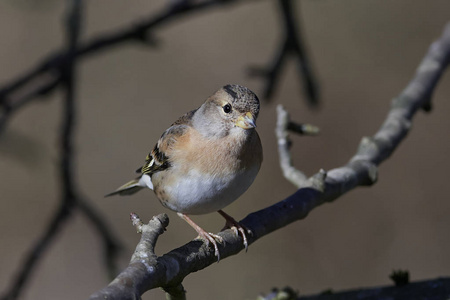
317	181
367	172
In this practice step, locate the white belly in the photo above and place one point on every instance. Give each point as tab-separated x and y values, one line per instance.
198	193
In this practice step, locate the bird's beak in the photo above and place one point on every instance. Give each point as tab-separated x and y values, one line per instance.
246	122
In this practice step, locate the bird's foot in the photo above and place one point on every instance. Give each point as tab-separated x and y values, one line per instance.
204	236
212	238
237	227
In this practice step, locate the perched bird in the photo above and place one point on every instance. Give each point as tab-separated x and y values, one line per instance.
205	160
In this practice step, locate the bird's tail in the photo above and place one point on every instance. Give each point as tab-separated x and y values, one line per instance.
128	188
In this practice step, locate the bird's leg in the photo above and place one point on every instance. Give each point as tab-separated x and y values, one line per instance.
206	236
236	227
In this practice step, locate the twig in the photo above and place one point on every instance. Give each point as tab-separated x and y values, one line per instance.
295	176
140	32
142	265
46	84
34	254
68	197
284	125
170	269
292	45
111	245
145	251
68	82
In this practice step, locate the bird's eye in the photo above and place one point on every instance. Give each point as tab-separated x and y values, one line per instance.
227	108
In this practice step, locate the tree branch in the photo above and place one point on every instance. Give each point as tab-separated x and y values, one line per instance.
44	84
68	197
25	88
58	70
170	269
284	125
45	77
291	45
143	262
111	244
436	289
70	200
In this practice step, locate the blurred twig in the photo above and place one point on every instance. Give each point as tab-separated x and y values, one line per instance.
291	45
44	77
11	105
170	269
68	191
111	244
41	79
69	198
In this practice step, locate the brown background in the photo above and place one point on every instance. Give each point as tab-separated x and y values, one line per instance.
364	53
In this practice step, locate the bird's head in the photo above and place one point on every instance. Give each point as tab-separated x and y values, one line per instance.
233	108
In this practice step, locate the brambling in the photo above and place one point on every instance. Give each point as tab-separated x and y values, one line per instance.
205	160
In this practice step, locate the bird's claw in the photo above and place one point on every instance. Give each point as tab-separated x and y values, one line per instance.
237	228
212	238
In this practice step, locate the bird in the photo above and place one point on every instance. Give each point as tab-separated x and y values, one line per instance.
205	160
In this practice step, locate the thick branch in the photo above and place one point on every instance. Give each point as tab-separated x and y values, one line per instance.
170	269
436	289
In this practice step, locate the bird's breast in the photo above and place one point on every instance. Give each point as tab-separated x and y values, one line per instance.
207	176
199	193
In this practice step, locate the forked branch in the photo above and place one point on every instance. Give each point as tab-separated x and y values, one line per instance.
169	270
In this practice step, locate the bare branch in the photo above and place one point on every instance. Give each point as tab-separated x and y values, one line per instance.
129	284
44	86
291	45
295	176
33	256
69	198
436	289
170	269
58	70
50	67
56	62
284	125
111	244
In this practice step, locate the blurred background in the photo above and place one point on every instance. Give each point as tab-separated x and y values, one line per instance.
363	54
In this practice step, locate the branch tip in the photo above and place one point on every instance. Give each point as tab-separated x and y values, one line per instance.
163	219
136	221
303	129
